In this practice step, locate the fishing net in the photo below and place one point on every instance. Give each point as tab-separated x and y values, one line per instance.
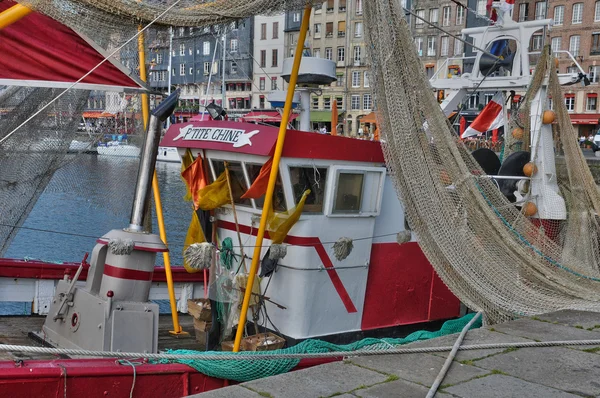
493	257
251	370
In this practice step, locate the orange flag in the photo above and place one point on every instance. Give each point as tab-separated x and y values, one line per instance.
259	186
334	117
195	178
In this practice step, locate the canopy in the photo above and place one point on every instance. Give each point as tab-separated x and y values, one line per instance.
265	116
97	114
370	118
38	51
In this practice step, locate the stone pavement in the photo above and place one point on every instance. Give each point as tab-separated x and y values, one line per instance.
555	372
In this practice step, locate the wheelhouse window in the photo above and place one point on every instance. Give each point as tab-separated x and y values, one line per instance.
348	195
238	181
278	195
313	178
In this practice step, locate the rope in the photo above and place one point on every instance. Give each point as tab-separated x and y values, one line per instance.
132	364
254	356
455	347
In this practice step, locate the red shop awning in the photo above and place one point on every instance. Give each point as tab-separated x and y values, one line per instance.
585	118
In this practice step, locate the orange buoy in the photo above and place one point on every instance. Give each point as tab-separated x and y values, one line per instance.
445	177
517	133
549	117
529	209
530	169
556	62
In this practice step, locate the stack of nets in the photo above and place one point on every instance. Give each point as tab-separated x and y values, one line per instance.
490	255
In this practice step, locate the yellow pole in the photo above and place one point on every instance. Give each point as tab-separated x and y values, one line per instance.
177	330
273	176
13	14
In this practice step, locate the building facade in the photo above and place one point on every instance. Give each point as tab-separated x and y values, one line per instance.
576	29
269	51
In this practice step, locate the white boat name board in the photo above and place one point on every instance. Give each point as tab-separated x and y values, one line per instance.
237	137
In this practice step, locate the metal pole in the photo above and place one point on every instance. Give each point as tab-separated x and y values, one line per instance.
209	79
13	14
223	99
169	68
273	176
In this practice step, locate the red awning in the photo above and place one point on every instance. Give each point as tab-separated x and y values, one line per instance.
97	114
38	51
592	95
265	116
569	95
585	118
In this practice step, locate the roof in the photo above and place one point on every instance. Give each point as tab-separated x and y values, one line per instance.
254	139
265	116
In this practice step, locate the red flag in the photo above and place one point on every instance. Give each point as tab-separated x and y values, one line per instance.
259	186
195	178
491	117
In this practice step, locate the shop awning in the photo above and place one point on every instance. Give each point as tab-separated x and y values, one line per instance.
320	116
265	116
97	114
370	118
585	118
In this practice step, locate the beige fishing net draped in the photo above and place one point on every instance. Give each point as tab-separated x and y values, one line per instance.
490	255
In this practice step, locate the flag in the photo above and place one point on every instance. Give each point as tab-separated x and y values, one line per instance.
279	224
194	235
195	179
214	195
334	117
259	186
186	161
491	117
507	5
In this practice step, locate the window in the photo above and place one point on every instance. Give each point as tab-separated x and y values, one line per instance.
446	16
275	30
278	195
292	39
296	17
263	31
559	15
355	79
206	68
329	53
357	55
487	98
206	48
340	102
577	13
458	47
523	12
429	70
273	83
574	45
233	68
594	74
182	70
366	79
261	102
358	29
367	102
191	51
556	44
330	5
536	42
182	49
233	46
340	79
444	46
303	178
181	31
481	10
315	102
159	58
348	195
431	46
570	102
595	49
329	29
342	29
191	71
261	84
597	12
473	101
172	71
317	53
419	45
263	58
592	102
359	7
355	102
342	5
236	176
274	58
540	10
327	103
420	17
460	15
341	54
433	16
317	31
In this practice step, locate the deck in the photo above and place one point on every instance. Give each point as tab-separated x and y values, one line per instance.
15	330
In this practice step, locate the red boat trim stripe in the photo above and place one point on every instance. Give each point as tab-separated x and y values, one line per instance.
308	242
137	247
123	273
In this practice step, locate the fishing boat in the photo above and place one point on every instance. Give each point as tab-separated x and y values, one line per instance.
318	217
118	148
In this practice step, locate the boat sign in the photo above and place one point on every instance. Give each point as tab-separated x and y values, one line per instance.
237	137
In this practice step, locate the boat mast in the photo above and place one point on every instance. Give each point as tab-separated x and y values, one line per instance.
223	99
169	69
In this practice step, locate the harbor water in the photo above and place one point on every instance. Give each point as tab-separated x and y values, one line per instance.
91	195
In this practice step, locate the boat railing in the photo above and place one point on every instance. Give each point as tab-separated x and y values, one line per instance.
451	68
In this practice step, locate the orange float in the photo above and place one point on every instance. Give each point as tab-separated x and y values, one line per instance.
530	169
548	117
529	209
517	133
